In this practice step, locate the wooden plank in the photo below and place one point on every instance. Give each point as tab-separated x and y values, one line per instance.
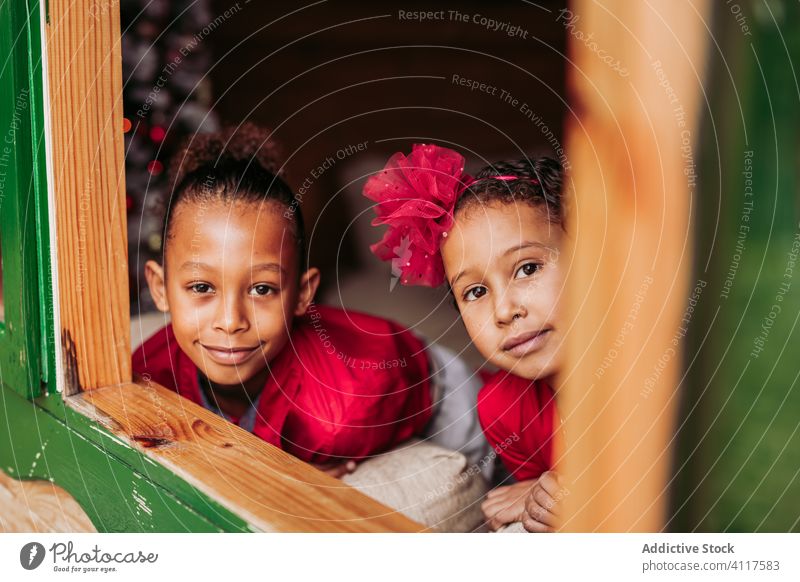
627	286
39	506
85	77
270	489
117	493
78	428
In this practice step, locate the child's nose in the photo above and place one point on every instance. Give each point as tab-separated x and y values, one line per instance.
508	309
231	316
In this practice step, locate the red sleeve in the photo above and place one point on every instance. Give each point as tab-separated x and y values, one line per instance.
361	386
347	385
154	359
161	360
517	418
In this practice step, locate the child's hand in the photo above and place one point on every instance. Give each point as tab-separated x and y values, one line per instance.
336	469
506	504
543	504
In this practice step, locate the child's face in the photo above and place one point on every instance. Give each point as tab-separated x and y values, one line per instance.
502	264
232	286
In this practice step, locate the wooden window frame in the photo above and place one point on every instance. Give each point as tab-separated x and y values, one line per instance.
174	466
136	456
631	214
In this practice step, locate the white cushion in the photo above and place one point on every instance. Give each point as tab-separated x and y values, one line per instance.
429	484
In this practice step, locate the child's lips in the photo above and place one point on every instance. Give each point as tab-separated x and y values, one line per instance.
230	355
525	343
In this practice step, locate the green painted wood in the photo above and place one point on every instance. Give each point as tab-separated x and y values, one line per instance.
80	426
20	335
118	486
47	336
738	463
120	489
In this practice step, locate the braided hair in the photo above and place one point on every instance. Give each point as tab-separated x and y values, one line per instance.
537	181
236	164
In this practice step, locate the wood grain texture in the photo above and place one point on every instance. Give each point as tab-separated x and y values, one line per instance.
39	506
627	287
85	76
270	489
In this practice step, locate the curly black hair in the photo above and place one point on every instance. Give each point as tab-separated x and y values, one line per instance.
237	164
539	181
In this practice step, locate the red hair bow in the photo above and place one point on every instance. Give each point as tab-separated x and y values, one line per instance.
415	196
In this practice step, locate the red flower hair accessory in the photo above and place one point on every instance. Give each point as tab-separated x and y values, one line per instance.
415	196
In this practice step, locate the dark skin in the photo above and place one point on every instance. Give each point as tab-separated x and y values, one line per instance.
233	289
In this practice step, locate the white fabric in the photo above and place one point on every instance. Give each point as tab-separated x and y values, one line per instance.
455	424
431	485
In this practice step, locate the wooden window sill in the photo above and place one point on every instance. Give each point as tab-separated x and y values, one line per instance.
267	487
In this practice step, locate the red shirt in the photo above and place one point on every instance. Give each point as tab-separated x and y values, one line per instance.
347	385
517	417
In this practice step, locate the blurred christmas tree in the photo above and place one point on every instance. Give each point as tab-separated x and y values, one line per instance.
166	55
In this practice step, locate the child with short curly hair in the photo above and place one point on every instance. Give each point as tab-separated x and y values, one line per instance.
247	341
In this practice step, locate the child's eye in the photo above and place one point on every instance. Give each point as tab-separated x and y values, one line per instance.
261	290
200	288
527	270
475	293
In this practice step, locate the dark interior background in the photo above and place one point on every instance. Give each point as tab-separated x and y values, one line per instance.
330	75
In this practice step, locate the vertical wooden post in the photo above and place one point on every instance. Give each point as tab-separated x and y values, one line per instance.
85	77
634	90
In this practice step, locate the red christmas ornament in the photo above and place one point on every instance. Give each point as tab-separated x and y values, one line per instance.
157	133
155	167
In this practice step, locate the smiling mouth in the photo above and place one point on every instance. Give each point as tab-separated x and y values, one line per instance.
526	343
230	356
